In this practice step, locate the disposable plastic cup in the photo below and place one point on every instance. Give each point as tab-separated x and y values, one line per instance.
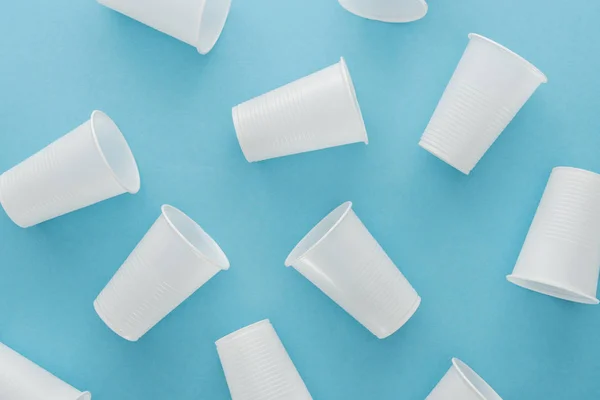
198	23
90	164
257	366
341	258
173	260
488	88
387	10
312	113
21	379
462	383
561	254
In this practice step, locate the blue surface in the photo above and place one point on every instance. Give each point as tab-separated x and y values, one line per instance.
454	237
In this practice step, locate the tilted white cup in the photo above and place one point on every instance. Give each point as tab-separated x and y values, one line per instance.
387	10
257	366
173	260
316	112
22	379
90	164
196	22
462	383
561	254
488	88
341	257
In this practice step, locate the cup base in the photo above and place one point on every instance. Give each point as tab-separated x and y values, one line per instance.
108	323
442	156
552	289
410	17
413	309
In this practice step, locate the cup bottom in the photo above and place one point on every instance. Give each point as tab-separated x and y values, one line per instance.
107	322
443	156
552	289
413	309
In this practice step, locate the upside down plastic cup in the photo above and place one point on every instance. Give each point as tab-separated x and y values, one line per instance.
257	366
173	260
90	164
387	10
462	383
21	379
341	258
312	113
198	23
488	88
561	254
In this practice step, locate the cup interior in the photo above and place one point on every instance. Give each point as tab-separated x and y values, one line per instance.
212	21
196	237
115	151
477	383
318	233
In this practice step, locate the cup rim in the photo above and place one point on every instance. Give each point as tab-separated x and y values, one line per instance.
135	187
222	263
354	97
533	68
386	19
292	258
553	289
465	371
85	396
243	331
212	43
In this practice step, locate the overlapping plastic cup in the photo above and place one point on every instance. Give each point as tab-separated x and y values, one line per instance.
21	379
462	383
341	258
561	254
488	88
312	113
90	164
257	366
387	10
198	23
173	260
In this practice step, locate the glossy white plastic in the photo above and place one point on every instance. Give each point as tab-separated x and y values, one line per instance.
312	113
462	383
488	88
90	164
173	260
561	254
22	379
196	22
257	366
387	10
341	257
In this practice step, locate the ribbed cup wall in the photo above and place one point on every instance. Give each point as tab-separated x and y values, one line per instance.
312	113
489	87
354	271
22	379
160	274
257	366
562	248
67	175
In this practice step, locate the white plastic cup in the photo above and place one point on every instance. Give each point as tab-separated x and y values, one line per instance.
341	258
90	164
462	383
173	260
387	10
21	379
198	23
316	112
488	88
257	366
561	254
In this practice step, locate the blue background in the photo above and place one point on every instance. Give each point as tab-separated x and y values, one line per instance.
454	237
